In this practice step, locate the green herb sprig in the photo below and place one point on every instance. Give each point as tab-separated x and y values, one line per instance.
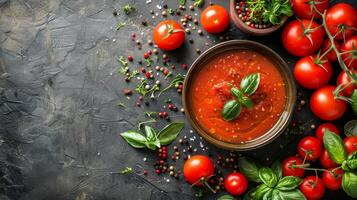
153	140
270	11
248	85
178	79
128	9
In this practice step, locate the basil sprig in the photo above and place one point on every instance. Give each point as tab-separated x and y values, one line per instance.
248	85
152	139
273	185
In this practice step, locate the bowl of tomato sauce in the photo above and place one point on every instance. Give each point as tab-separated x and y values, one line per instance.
208	90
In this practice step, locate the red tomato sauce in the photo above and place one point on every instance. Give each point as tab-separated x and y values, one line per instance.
211	89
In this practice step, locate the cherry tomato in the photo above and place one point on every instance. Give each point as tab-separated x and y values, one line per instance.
302	38
325	106
312	187
236	183
320	131
331	55
289	169
326	161
333	178
341	14
310	147
350	59
215	19
344	79
169	35
304	10
196	168
312	73
350	144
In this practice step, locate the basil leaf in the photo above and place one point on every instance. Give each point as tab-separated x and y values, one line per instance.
231	110
292	195
288	183
246	102
249	169
241	98
153	145
275	195
334	146
352	161
354	101
268	176
351	128
260	192
277	168
135	139
226	197
169	133
250	83
182	2
237	93
268	194
349	184
150	134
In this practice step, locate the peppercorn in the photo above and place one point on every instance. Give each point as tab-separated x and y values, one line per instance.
200	32
146	55
115	12
128	92
144	23
145	172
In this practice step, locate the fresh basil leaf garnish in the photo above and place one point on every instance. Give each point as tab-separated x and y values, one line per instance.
231	110
250	83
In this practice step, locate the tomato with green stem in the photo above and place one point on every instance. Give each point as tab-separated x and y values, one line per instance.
341	20
215	19
198	170
347	85
349	52
327	51
333	178
302	37
290	166
324	104
310	148
236	183
312	187
312	72
326	161
168	35
323	127
303	9
350	144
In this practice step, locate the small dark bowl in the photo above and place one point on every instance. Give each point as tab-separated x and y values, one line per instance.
247	29
280	64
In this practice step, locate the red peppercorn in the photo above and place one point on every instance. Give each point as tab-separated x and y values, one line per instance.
145	172
143	70
166	71
146	55
252	25
148	75
160	114
184	66
150	52
165	114
171	106
130	58
157	171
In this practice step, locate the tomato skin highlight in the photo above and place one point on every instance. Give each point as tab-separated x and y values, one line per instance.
303	10
350	59
331	55
295	39
325	106
333	178
197	167
310	147
168	41
344	79
326	126
326	161
311	75
341	13
312	187
289	169
350	144
215	19
236	183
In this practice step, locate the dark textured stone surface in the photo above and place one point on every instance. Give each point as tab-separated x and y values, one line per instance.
59	89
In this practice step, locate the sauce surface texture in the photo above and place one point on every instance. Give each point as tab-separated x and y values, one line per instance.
210	89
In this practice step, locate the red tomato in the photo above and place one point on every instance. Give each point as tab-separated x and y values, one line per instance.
344	79
304	10
331	55
350	59
350	144
196	168
169	35
296	34
312	187
326	161
325	106
215	19
236	183
312	73
289	169
341	14
310	147
333	178
320	131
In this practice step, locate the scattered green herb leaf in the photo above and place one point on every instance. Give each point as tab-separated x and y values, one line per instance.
182	2
178	79
128	9
199	3
127	170
120	25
